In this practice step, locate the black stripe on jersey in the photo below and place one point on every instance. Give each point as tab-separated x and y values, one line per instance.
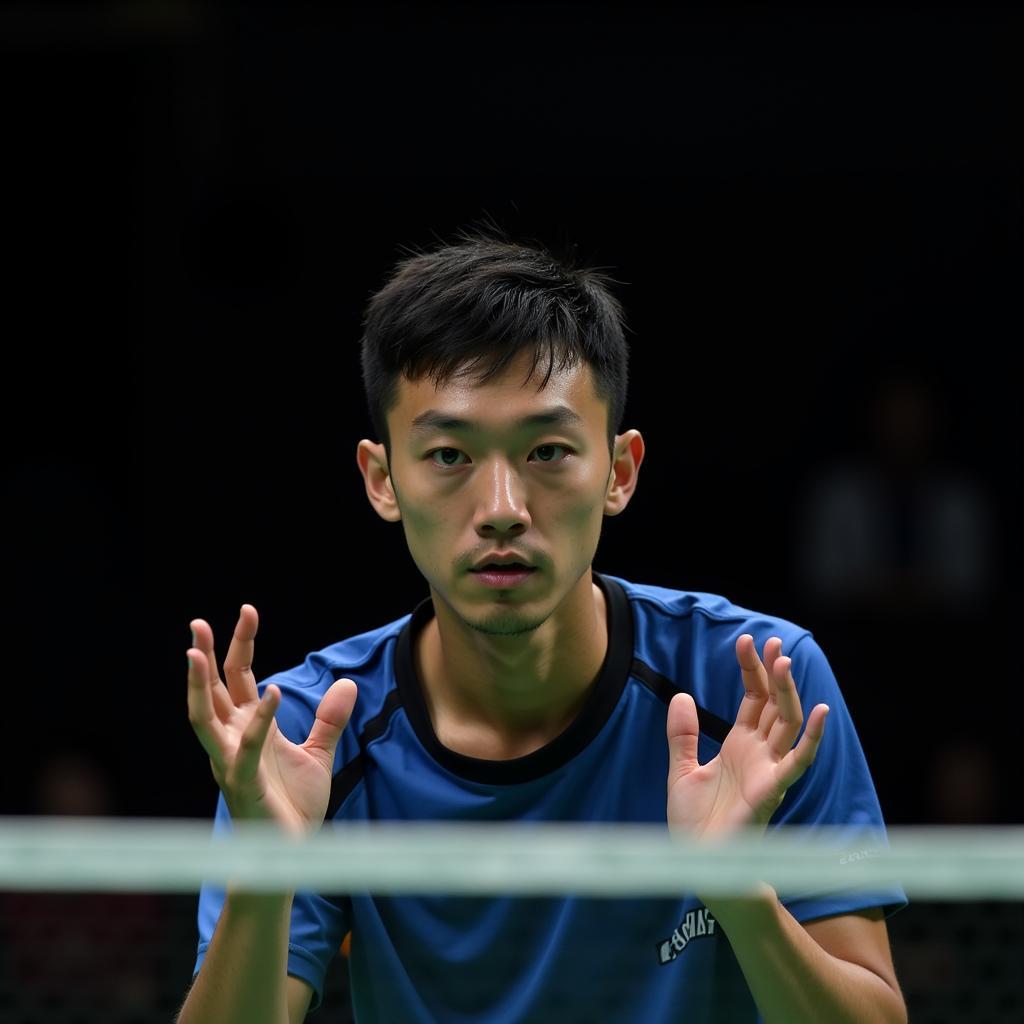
664	689
348	778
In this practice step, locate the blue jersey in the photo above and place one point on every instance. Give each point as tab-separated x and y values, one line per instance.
422	960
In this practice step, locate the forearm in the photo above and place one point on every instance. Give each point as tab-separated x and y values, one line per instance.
792	979
244	974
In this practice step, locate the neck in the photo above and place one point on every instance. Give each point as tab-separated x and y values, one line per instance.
512	693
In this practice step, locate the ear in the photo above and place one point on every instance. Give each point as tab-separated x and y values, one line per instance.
628	454
373	464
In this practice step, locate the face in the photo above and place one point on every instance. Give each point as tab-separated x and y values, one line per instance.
540	490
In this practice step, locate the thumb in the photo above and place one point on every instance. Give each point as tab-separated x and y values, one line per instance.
331	718
682	729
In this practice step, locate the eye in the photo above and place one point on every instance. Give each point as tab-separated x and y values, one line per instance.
539	448
436	451
549	446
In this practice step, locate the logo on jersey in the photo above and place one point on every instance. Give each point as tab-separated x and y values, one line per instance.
697	924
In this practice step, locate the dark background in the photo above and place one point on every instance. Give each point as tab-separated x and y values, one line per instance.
797	205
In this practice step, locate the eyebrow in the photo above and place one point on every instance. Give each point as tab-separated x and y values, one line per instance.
556	416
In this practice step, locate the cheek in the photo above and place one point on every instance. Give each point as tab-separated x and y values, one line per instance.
583	517
582	508
429	524
424	522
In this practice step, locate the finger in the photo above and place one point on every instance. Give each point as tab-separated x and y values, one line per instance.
772	650
331	718
786	727
682	728
202	638
250	747
802	756
755	682
238	663
201	715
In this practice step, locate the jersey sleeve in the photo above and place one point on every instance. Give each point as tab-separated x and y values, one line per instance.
837	791
318	925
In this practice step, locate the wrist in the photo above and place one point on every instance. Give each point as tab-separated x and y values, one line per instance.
743	908
256	901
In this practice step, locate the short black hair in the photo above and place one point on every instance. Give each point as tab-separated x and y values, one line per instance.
476	303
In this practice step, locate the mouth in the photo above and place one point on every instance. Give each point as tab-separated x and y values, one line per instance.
511	567
503	575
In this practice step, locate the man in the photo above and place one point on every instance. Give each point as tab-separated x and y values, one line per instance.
529	687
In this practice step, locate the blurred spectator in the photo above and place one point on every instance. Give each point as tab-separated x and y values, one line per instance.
72	785
898	532
78	956
963	785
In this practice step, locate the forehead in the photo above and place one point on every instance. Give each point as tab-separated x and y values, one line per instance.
505	402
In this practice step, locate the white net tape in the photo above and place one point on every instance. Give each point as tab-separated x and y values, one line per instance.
510	858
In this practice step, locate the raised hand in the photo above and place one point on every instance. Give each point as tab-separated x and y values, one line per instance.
261	773
745	783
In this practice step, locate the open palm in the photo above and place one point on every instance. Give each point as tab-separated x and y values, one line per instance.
745	783
262	774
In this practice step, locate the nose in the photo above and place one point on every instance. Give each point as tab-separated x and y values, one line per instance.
502	506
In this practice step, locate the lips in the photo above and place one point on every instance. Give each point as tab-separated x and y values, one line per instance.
504	577
501	560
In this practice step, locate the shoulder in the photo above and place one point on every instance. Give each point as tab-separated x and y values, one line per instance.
366	658
706	623
689	637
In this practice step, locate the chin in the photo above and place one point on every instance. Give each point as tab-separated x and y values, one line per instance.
507	622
